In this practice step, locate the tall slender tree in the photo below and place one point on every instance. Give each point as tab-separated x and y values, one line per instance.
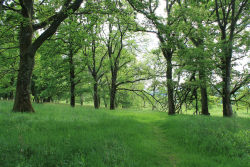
96	55
197	29
232	18
115	46
167	35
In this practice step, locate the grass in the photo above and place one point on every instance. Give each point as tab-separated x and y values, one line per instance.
57	135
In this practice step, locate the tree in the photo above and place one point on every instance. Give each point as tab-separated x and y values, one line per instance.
196	20
72	34
232	18
117	39
28	46
115	46
95	54
167	35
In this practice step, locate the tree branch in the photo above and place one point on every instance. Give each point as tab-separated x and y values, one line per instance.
62	15
238	86
144	92
137	80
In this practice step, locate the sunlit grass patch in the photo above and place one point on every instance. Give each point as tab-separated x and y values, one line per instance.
58	135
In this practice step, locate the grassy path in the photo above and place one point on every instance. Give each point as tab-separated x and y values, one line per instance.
166	151
162	149
57	135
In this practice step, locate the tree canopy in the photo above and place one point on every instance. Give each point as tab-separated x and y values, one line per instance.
97	52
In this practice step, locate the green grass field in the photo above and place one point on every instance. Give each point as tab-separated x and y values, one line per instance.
59	136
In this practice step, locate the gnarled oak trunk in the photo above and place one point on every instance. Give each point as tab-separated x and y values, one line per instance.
22	99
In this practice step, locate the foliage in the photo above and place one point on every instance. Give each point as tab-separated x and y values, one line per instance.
102	35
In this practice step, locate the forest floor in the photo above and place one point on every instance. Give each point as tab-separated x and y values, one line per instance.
57	135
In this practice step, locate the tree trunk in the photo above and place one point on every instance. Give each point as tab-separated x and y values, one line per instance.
226	77
226	93
72	95
112	95
22	98
28	49
72	79
204	101
196	101
171	106
96	97
203	89
99	100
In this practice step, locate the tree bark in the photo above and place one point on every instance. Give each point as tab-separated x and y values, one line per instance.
226	74
194	93
171	105
168	53
72	79
203	89
226	78
96	96
196	101
112	94
202	78
22	99
227	21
